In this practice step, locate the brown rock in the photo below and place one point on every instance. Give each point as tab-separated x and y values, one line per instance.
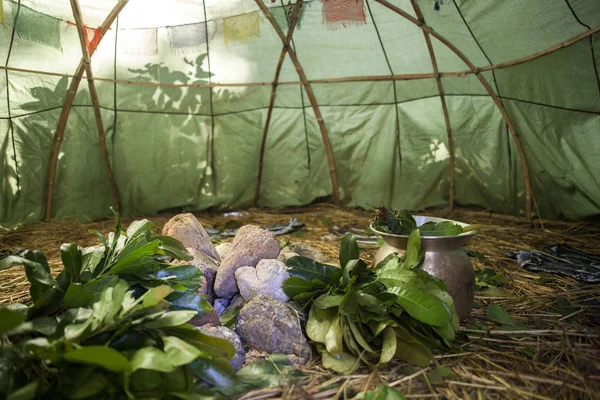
250	245
189	231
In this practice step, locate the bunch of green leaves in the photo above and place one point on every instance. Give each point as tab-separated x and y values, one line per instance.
113	324
135	255
361	315
393	221
401	222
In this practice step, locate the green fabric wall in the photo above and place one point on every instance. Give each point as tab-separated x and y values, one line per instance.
198	148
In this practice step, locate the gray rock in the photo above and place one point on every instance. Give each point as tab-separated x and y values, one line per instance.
272	326
223	249
225	333
266	278
305	250
250	245
189	231
286	255
209	268
330	238
221	305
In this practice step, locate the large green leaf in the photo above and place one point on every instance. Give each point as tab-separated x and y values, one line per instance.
308	269
147	250
446	332
371	303
139	228
72	259
229	317
78	296
444	228
217	371
151	358
348	250
206	343
101	356
358	336
189	276
325	301
343	363
10	319
422	306
388	347
190	301
415	253
401	277
390	263
174	248
179	351
410	349
333	339
170	319
36	270
155	295
319	322
294	286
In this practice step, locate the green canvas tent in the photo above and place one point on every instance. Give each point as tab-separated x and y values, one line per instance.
154	105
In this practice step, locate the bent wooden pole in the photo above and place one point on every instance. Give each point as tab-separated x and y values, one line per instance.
64	114
94	97
311	97
288	39
421	24
438	81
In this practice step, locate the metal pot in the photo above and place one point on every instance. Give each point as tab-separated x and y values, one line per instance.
445	259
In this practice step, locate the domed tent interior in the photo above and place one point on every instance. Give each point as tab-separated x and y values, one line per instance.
256	112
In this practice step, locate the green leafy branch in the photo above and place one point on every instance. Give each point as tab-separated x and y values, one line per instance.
361	315
114	323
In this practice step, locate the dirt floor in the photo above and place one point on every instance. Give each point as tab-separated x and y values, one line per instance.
554	355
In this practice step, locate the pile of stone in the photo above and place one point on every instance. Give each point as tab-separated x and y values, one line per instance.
248	273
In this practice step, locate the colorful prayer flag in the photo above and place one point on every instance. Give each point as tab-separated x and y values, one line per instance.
283	15
343	13
92	38
241	28
38	27
191	35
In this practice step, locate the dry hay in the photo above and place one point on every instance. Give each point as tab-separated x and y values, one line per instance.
554	356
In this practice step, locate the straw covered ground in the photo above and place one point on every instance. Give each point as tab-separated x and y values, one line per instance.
554	355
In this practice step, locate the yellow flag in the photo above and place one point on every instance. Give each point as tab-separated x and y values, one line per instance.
241	28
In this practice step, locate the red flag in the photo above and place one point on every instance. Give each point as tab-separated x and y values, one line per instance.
94	33
343	13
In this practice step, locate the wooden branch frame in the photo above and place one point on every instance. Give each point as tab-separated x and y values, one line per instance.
421	24
64	114
311	97
94	97
440	87
286	44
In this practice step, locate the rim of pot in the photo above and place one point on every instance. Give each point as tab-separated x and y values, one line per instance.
430	219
